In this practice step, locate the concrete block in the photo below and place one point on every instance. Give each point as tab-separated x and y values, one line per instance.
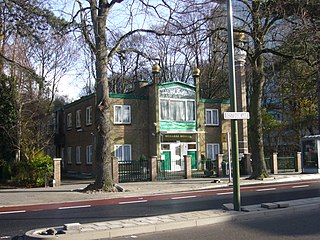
269	205
282	204
228	206
72	226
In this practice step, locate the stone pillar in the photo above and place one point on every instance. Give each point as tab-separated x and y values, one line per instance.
187	166
241	91
219	165
56	172
153	168
274	163
115	170
298	163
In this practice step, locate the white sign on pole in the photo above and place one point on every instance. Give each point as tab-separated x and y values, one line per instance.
236	115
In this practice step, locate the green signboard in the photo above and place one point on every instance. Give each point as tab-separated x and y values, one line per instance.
177	126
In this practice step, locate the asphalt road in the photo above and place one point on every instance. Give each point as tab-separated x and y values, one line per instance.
19	223
299	225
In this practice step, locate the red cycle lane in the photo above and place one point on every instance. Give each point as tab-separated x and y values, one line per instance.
140	199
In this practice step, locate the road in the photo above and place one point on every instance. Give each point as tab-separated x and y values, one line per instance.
299	225
17	222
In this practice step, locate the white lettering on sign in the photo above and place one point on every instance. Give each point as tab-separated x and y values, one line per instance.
236	115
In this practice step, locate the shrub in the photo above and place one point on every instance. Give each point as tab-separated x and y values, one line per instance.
35	172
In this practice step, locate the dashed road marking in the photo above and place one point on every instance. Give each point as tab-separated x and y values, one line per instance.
265	189
183	197
73	207
225	193
301	186
139	201
11	212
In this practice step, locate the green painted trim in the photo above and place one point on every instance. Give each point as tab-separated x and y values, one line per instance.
173	84
128	96
215	101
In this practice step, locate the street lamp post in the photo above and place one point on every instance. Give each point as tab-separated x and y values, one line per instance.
234	122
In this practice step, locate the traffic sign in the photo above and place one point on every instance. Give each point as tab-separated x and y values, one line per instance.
236	115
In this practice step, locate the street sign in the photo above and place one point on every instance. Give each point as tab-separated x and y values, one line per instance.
236	115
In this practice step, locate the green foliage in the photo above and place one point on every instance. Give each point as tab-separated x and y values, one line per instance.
7	116
34	172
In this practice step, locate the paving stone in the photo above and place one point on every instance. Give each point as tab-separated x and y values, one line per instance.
228	206
269	205
282	204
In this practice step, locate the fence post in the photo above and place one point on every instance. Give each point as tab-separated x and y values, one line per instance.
115	170
153	168
56	172
187	166
298	164
219	165
274	163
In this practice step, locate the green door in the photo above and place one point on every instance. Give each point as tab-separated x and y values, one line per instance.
166	165
193	155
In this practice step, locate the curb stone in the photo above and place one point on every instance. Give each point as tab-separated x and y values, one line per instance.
111	229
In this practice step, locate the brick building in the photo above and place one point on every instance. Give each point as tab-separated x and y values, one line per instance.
166	120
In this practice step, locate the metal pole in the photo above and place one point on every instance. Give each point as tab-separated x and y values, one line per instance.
234	122
229	157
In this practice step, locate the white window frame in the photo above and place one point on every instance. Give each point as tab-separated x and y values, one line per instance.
210	122
69	155
216	150
78	118
89	115
122	157
69	120
121	107
167	115
89	154
78	154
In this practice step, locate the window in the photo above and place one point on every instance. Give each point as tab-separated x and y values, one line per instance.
88	115
123	152
212	150
78	119
122	114
69	155
78	155
212	117
191	108
89	154
69	120
177	110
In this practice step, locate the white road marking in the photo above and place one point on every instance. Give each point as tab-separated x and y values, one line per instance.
301	186
72	207
265	189
22	211
225	193
140	201
184	197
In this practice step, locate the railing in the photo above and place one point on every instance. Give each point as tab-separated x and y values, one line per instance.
167	170
206	168
286	164
134	171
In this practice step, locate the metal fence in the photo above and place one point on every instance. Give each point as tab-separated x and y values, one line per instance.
134	171
286	164
206	168
167	170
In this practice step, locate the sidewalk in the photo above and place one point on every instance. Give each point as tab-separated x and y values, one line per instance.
67	191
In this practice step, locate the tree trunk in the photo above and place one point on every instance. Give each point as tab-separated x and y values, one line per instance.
255	123
104	180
